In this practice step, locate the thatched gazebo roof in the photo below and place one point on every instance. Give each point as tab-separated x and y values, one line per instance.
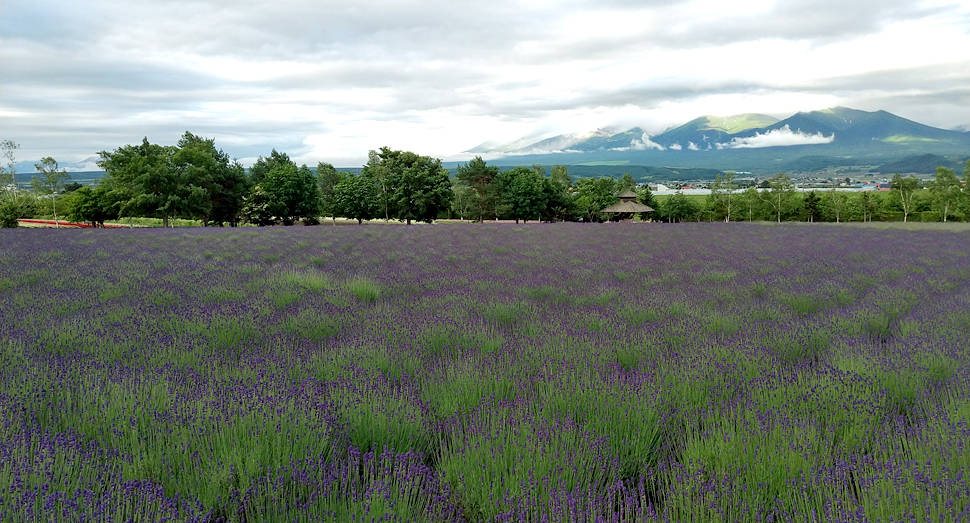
627	207
628	203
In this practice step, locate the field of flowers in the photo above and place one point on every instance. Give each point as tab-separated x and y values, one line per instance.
551	372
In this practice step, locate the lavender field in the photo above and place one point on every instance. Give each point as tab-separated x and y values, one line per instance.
547	373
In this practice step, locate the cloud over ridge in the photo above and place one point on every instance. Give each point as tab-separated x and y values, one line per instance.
642	144
781	137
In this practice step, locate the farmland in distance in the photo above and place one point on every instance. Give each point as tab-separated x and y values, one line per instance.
550	372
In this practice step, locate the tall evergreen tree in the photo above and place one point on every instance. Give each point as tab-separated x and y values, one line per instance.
482	179
812	206
627	183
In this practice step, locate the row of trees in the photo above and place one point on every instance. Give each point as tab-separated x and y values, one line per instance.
483	192
49	182
195	180
945	198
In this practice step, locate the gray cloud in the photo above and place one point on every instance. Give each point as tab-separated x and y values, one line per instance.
85	75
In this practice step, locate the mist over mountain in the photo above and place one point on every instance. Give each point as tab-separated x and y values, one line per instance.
25	169
749	141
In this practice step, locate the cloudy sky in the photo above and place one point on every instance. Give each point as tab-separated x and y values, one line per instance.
329	80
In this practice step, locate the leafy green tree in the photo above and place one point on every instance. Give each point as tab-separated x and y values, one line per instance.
258	207
679	207
8	173
482	179
812	206
835	204
357	197
965	190
93	205
523	193
154	186
945	191
722	199
752	204
292	192
198	164
627	183
328	177
646	197
868	204
262	166
461	198
560	178
417	188
905	189
781	195
13	204
378	170
50	182
9	213
560	203
593	195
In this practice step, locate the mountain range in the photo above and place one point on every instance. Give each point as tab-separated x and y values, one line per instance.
746	141
26	169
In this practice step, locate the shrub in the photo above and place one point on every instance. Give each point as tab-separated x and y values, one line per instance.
365	290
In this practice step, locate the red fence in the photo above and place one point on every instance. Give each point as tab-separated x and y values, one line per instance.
69	225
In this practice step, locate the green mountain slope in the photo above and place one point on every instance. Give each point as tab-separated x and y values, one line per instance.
812	163
739	122
757	142
712	129
922	164
620	140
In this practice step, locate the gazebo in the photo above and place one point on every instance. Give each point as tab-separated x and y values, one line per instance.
627	205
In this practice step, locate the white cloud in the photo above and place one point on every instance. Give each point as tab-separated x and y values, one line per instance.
692	146
675	146
642	144
782	137
327	79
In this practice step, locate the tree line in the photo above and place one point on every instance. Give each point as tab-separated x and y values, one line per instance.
943	199
195	180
